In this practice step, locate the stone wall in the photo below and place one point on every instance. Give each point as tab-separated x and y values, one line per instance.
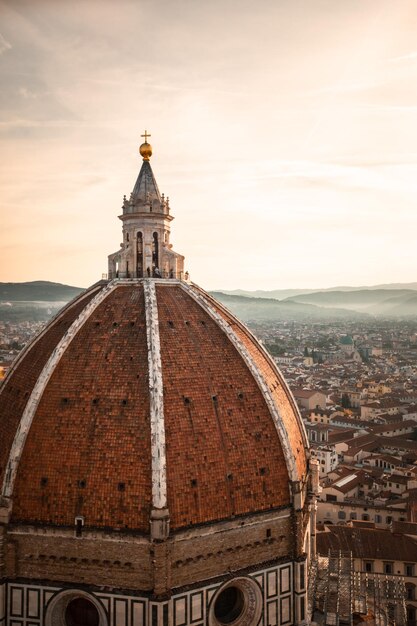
124	561
207	555
95	561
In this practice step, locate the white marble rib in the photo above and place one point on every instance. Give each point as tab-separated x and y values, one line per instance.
159	479
34	399
40	334
198	296
274	366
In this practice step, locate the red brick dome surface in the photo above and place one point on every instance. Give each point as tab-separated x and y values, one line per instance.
76	434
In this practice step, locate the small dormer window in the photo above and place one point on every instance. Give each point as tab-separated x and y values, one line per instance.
79	523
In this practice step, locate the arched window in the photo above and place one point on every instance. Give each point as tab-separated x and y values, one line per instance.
155	251
139	255
410	591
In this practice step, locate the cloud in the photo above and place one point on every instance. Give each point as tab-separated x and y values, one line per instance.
411	56
377	160
20	123
396	177
394	108
26	93
4	45
346	87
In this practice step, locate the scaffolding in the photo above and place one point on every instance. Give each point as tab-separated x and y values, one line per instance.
340	596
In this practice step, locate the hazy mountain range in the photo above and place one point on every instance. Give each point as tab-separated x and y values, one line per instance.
268	309
35	301
393	300
39	300
375	302
38	290
282	294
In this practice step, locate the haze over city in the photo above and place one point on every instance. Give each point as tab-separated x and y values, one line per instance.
284	134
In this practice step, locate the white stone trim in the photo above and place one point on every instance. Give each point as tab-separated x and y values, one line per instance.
199	296
226	526
39	388
156	397
252	605
23	530
270	360
55	610
45	329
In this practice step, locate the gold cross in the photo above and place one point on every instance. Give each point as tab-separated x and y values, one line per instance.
146	136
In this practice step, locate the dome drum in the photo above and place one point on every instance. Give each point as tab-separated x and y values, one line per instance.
237	598
122	560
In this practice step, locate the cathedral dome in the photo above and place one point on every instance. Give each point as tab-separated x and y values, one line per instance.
153	464
141	395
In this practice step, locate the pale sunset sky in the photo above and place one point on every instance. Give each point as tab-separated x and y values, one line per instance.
284	133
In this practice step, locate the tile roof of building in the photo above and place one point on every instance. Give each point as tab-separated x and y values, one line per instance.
304	393
392	427
367	543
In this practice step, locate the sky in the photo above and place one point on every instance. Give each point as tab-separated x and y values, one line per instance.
284	133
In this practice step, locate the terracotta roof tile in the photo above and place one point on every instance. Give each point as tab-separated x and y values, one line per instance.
18	385
88	451
91	434
224	457
275	381
367	543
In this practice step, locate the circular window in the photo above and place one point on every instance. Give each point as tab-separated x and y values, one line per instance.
81	612
75	607
236	603
229	605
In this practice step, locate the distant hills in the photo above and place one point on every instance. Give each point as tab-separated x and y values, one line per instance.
39	300
388	302
36	301
282	294
269	309
38	290
395	300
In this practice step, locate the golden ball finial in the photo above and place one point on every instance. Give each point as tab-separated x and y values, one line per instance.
145	149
